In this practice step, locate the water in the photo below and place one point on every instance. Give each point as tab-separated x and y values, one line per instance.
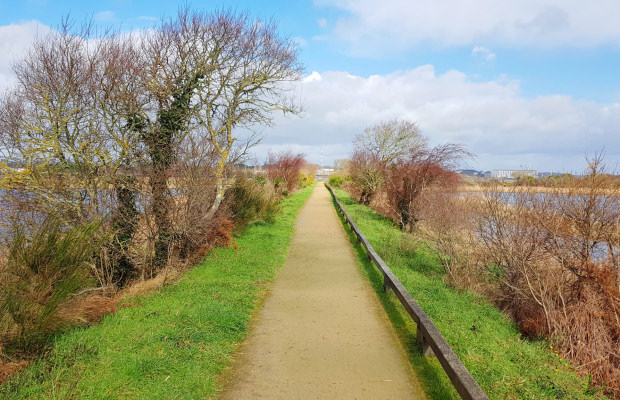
568	208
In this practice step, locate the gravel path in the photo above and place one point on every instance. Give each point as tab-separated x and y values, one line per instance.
321	333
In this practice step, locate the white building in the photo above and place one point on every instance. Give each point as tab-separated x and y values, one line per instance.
325	171
513	173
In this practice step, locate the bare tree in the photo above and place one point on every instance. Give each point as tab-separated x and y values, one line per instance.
213	74
390	140
423	168
117	96
367	173
384	144
51	124
69	124
286	167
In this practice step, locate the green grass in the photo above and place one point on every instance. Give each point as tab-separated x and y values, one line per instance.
177	343
487	342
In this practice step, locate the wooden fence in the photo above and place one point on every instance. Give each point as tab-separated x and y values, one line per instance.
430	338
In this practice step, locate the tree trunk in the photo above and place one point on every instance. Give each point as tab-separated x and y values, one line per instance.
160	206
219	177
172	123
219	196
160	149
124	223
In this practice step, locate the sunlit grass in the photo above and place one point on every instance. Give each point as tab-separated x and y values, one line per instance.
177	342
489	344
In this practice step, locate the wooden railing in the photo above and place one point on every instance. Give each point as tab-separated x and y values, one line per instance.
430	338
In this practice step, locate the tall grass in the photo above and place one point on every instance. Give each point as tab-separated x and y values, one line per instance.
41	274
254	200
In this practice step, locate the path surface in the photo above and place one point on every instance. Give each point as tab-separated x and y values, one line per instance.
321	334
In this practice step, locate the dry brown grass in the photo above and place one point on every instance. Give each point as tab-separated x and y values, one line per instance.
145	287
9	368
89	309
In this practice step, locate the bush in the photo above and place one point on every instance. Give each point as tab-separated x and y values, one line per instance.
336	180
41	274
554	280
285	167
305	180
253	201
367	173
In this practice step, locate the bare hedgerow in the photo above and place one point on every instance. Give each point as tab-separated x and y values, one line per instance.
446	228
421	170
284	169
554	255
140	134
367	173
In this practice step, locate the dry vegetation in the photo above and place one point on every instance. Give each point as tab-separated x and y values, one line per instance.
555	259
550	258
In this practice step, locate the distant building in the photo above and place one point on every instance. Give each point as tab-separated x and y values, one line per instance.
513	173
548	174
469	172
323	174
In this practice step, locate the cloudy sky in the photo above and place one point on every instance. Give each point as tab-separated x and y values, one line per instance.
519	82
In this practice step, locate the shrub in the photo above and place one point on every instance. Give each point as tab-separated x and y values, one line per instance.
41	274
305	180
260	179
554	279
367	173
285	167
408	180
251	201
336	180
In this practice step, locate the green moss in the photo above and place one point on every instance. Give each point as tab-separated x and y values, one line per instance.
178	341
504	364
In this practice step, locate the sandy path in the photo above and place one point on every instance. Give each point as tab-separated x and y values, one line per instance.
321	334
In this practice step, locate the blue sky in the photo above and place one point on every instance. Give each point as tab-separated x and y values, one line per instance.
521	82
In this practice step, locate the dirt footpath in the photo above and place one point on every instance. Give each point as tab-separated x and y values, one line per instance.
322	333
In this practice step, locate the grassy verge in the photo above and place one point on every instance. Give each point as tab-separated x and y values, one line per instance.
488	343
174	344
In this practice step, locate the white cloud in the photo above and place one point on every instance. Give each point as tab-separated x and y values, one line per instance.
505	129
105	16
15	39
314	76
322	22
301	42
373	28
484	53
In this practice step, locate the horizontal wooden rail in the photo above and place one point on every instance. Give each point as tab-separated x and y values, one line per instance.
430	338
